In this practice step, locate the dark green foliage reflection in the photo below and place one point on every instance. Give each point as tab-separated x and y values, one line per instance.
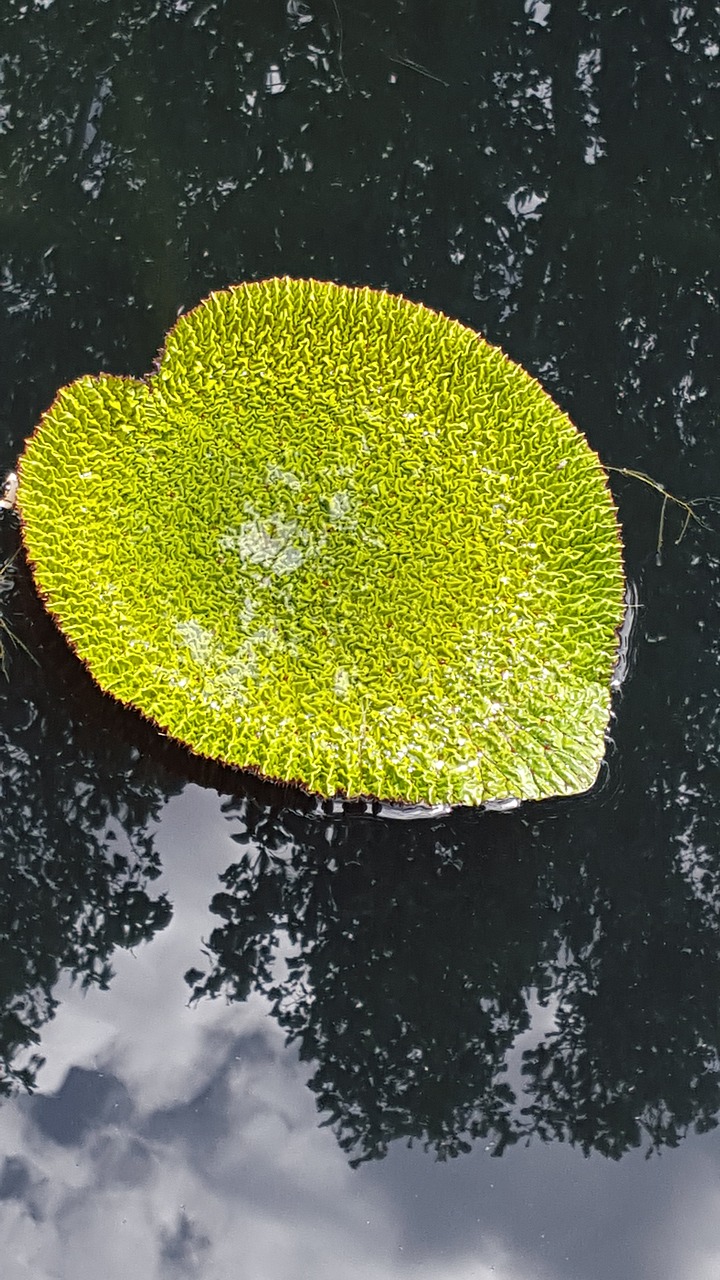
406	975
414	950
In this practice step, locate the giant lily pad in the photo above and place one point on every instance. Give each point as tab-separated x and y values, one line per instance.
336	538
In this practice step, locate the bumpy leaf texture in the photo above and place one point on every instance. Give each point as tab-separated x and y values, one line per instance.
338	539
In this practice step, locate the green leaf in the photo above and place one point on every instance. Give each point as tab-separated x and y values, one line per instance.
338	538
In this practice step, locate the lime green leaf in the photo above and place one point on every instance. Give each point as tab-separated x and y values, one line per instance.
339	539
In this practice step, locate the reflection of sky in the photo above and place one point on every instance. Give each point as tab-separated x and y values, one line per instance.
175	1142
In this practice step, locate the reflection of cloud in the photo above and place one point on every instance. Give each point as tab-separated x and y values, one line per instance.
688	1237
273	1191
526	203
194	845
196	1151
213	1153
240	1170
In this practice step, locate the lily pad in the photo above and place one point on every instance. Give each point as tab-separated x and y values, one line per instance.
338	539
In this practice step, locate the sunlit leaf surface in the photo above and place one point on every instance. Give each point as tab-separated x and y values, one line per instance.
339	539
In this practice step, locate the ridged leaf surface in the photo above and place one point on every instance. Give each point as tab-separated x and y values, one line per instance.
339	539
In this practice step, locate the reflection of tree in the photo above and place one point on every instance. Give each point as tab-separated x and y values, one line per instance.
634	1055
406	973
76	847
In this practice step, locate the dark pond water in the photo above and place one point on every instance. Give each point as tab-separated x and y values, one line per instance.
237	1041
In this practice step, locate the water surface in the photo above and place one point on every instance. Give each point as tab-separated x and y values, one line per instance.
236	1039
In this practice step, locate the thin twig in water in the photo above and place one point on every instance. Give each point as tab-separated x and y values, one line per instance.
341	64
690	513
6	630
416	66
